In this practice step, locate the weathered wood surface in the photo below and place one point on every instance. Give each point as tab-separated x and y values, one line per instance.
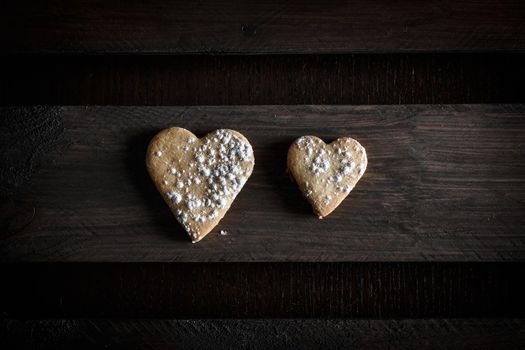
263	26
266	334
444	183
262	79
262	290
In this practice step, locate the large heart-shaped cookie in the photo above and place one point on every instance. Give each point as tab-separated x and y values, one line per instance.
326	173
199	178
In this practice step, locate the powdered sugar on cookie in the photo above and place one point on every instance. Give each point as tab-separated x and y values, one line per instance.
326	173
215	168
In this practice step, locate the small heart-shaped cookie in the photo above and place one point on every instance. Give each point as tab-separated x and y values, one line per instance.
199	178
326	173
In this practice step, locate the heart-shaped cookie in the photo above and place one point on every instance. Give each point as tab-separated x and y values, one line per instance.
199	178
326	173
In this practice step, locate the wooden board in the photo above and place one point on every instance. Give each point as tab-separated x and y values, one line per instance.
263	26
265	334
443	183
262	79
262	290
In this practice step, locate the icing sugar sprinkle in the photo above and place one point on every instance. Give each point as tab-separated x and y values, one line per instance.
158	153
175	197
320	164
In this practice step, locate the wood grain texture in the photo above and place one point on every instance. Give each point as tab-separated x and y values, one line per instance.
262	79
262	290
444	183
25	135
266	334
263	26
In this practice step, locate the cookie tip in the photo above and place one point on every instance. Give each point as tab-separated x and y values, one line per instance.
196	239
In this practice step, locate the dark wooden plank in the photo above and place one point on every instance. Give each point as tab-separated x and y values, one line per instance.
262	79
444	183
266	334
262	290
263	26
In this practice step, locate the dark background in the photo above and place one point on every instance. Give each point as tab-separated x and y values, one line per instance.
232	53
